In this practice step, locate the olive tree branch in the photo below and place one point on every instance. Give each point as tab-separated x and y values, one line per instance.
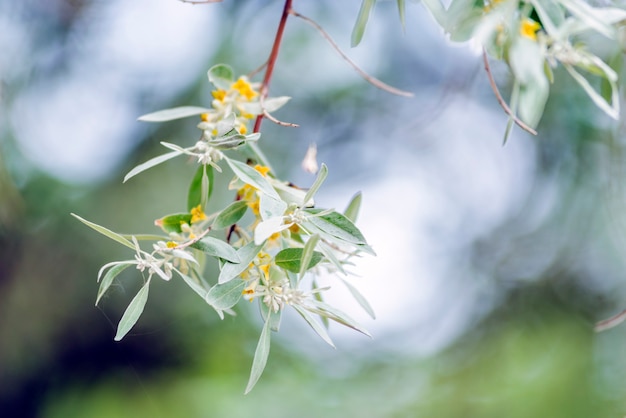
372	80
506	108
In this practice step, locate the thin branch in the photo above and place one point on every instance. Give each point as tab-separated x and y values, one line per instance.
610	322
272	118
258	70
506	107
192	241
272	60
372	80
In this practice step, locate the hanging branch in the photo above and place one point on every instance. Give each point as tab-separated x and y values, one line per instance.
372	80
506	107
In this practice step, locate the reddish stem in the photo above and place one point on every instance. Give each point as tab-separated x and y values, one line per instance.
272	59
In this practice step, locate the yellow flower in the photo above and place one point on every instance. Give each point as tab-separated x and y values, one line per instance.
529	28
244	88
243	129
255	206
262	169
219	94
197	214
205	117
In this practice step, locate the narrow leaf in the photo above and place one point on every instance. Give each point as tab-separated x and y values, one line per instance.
611	109
226	295
273	317
252	177
401	12
230	215
307	254
321	176
194	285
133	312
352	211
217	248
174	113
151	163
108	278
361	21
106	232
319	329
201	187
359	298
329	253
246	254
260	357
336	315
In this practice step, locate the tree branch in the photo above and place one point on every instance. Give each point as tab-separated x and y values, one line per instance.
272	60
506	107
372	80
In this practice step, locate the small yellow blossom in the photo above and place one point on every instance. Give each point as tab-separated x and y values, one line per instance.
219	94
529	28
205	117
197	214
265	268
262	169
171	244
247	115
255	206
244	88
243	129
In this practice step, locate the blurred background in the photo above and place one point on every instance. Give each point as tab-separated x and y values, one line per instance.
494	262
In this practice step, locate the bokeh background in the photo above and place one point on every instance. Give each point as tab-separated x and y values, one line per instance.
494	262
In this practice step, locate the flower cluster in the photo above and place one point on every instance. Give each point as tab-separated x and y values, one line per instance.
273	239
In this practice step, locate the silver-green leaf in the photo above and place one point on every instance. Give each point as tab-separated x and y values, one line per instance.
261	354
173	114
133	312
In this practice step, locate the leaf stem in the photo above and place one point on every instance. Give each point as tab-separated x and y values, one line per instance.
272	60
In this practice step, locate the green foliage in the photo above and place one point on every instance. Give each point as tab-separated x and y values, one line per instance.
291	259
272	255
279	242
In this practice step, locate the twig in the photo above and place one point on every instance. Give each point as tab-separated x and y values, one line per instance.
610	322
506	107
192	241
256	71
272	60
372	80
272	118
